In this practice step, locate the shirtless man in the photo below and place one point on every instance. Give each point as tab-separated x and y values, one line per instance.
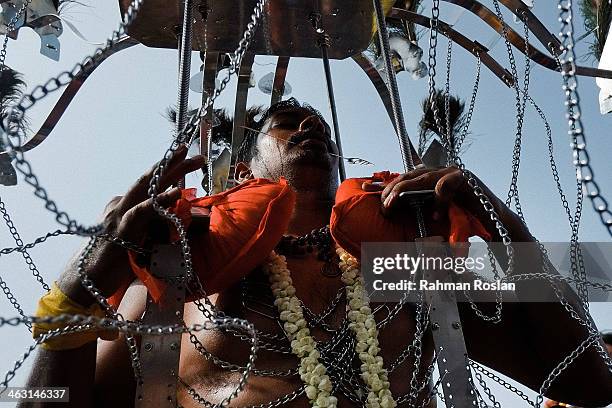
295	143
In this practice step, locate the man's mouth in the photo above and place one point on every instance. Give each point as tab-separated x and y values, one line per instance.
310	138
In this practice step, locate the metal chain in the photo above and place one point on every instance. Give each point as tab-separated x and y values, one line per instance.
520	104
582	347
449	132
235	367
422	321
24	253
470	112
585	173
576	258
85	322
276	403
487	390
497	317
14	302
14	120
11	27
235	61
110	310
10	250
474	390
125	244
209	311
10	374
468	175
432	51
476	366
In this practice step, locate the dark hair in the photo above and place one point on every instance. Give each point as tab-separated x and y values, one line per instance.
223	122
607	337
11	89
248	148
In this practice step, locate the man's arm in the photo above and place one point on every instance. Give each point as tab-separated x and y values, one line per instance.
535	336
74	368
129	217
532	338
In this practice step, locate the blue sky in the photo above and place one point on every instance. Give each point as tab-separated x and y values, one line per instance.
115	129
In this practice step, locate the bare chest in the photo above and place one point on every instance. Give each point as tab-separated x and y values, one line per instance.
213	363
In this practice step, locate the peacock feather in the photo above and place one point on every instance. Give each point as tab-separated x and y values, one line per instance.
457	118
597	15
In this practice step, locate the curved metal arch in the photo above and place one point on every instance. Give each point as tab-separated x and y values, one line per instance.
486	15
473	47
377	80
68	95
520	9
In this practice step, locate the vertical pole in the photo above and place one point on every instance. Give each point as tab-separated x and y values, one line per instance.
332	104
278	86
184	65
211	66
323	42
406	147
184	71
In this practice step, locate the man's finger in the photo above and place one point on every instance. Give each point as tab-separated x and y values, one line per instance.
424	181
139	191
137	219
370	186
182	169
448	186
406	176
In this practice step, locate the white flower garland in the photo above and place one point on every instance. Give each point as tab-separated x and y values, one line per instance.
318	385
363	325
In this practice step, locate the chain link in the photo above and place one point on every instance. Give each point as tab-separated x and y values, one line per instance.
14	120
11	298
584	172
24	253
500	381
10	250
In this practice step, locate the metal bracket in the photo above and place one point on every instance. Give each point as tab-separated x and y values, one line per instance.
278	87
240	107
159	355
287	32
42	17
447	331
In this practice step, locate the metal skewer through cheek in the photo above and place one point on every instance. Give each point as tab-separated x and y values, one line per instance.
350	160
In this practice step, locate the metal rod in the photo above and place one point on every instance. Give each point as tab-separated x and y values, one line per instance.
406	147
278	86
209	74
332	105
323	42
184	65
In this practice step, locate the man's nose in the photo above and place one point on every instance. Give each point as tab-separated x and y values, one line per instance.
312	123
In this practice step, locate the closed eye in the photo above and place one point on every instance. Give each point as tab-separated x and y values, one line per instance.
285	125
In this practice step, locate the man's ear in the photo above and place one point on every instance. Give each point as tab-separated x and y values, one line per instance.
242	172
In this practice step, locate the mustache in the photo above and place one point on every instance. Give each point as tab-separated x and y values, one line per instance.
300	136
350	160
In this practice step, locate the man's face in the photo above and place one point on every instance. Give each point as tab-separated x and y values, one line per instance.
291	140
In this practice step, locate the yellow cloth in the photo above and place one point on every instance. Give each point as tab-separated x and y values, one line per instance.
56	303
387	5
